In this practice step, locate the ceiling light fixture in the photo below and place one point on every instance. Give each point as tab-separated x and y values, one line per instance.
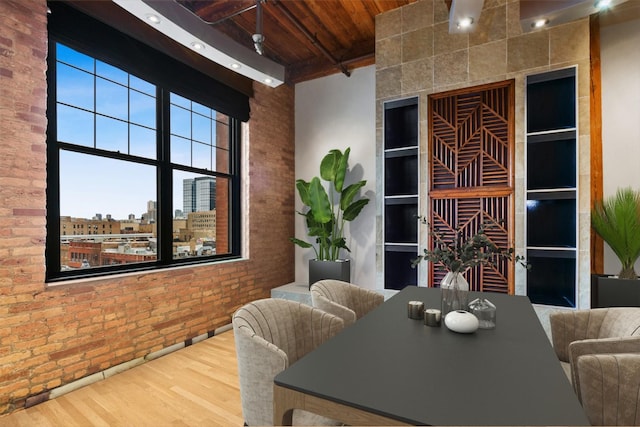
465	23
235	66
558	12
184	26
154	19
602	4
539	23
197	45
464	15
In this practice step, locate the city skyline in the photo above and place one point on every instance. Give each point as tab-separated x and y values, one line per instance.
87	196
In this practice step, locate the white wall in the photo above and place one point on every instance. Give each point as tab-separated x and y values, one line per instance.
339	112
620	114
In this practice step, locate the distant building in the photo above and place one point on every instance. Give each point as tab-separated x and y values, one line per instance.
70	226
199	194
88	254
130	225
152	211
199	221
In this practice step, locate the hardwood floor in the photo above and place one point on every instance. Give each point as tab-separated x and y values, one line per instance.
194	386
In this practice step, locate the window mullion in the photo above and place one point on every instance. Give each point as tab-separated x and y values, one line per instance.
165	180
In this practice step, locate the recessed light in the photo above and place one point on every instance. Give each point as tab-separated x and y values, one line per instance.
602	4
268	81
465	22
539	23
197	45
236	66
154	19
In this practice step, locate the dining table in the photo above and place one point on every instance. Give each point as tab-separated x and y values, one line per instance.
390	369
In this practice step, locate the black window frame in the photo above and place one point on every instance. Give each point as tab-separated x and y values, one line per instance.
101	43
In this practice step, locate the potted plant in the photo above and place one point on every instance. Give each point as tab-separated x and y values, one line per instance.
616	220
457	254
326	214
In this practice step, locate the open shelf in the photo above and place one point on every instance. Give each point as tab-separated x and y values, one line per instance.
401	187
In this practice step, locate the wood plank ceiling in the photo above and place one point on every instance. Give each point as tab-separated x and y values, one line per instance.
310	38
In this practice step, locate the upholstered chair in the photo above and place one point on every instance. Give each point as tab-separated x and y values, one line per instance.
344	299
610	388
271	334
598	330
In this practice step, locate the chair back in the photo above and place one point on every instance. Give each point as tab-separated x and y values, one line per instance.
271	334
620	322
610	388
344	299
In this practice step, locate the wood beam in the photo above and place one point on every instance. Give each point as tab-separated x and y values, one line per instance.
595	102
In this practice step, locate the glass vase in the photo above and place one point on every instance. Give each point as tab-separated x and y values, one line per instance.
455	291
485	311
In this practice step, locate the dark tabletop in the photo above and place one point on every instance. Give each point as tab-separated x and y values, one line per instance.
397	367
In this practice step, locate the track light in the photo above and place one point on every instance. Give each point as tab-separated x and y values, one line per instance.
257	43
258	37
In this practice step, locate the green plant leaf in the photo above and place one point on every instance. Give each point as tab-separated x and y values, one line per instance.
303	191
301	243
341	171
354	209
329	165
319	201
349	193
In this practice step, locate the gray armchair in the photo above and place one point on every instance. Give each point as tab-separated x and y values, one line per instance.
348	301
271	334
595	331
610	388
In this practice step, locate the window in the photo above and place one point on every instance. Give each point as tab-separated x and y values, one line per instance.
145	175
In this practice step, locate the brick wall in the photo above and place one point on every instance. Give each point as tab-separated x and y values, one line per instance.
52	336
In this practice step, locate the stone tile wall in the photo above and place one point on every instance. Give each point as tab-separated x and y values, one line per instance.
416	56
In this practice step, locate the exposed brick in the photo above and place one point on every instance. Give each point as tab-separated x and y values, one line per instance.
76	350
29	212
50	336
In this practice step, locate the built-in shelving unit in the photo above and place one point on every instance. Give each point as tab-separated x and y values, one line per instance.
551	186
401	160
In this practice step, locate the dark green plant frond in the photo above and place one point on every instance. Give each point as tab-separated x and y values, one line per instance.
457	252
617	220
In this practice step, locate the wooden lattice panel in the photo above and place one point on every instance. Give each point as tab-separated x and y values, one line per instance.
465	216
470	139
471	152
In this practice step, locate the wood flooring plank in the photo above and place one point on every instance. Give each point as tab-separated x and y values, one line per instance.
192	387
